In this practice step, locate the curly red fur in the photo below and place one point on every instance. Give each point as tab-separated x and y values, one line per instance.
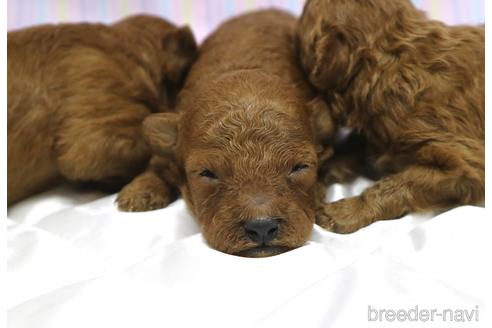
245	121
78	93
414	88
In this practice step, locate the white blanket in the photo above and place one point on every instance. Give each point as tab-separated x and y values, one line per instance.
75	261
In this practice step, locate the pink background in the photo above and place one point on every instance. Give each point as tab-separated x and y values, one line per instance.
202	15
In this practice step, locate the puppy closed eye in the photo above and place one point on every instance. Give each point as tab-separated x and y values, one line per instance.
208	174
299	167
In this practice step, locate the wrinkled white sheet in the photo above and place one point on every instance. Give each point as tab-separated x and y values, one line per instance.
75	261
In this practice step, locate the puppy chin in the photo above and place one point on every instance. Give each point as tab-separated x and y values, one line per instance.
263	251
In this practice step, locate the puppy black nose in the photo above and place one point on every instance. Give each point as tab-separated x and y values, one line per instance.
261	231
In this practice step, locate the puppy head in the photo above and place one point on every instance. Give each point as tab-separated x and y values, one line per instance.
337	37
176	47
250	162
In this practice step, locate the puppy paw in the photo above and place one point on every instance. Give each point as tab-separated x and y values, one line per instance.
344	216
143	195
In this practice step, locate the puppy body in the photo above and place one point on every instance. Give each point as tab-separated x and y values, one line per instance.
245	137
414	88
77	94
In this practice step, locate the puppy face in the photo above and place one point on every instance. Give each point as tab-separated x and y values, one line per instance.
250	168
250	183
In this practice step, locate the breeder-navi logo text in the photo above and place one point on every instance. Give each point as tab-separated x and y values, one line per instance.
423	315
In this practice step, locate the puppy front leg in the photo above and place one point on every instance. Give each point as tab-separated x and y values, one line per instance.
456	181
153	189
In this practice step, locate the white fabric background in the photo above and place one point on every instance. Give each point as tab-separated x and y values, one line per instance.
75	261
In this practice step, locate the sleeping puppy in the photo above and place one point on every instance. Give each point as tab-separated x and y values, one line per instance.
414	88
78	93
246	141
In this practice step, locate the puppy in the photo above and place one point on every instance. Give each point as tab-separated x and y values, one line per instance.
246	141
78	93
414	88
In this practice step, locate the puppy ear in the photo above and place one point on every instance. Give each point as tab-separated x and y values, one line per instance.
181	51
333	61
180	42
323	126
161	132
